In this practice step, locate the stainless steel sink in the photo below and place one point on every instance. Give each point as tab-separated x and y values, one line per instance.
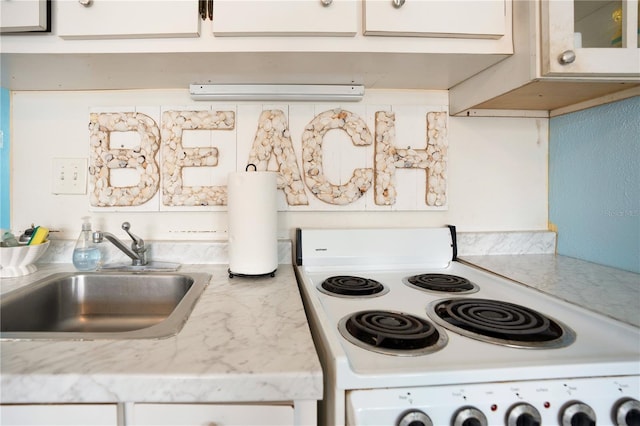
101	305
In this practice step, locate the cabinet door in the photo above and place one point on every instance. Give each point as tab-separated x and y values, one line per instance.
285	17
127	19
23	15
590	38
212	414
436	18
63	414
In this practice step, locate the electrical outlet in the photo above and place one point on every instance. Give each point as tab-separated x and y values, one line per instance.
69	176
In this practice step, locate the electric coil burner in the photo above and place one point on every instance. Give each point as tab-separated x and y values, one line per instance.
441	283
500	322
403	342
351	286
393	333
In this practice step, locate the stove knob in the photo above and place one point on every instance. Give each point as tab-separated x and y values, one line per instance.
523	415
415	418
627	412
469	416
577	414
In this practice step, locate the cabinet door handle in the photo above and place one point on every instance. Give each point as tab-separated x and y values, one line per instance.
567	57
205	9
202	9
85	3
326	3
398	3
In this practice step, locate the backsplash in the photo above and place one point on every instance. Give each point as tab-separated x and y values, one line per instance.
192	252
160	152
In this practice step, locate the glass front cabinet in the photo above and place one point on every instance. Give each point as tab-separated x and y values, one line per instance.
590	38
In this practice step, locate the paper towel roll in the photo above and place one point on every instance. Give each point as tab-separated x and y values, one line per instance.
253	223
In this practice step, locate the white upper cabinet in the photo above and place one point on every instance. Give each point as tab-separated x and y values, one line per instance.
436	18
285	17
568	55
91	19
431	44
590	38
23	15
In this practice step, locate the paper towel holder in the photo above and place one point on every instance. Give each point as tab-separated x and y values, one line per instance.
265	275
253	244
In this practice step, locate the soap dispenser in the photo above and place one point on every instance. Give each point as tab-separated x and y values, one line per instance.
86	253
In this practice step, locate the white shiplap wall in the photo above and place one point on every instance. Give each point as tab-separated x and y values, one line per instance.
497	171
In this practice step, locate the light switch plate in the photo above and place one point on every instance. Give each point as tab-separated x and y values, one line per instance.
69	176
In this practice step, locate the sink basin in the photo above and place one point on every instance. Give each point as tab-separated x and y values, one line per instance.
101	305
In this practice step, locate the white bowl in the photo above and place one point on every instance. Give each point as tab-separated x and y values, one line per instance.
19	260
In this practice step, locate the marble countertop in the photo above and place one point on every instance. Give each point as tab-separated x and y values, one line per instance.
609	291
247	339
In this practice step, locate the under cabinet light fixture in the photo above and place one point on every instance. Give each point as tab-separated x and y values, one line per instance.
276	92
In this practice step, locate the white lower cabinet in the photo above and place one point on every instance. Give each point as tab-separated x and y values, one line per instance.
141	414
59	415
212	414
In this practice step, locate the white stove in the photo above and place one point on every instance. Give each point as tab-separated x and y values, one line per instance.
400	346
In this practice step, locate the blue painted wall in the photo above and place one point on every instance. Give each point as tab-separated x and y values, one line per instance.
4	159
594	183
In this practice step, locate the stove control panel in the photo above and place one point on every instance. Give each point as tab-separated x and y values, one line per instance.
587	401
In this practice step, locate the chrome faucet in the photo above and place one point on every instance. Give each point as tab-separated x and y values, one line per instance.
138	251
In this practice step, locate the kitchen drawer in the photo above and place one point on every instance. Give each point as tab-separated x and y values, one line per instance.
220	414
59	414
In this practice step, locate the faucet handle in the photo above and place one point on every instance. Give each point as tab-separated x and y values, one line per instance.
138	243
